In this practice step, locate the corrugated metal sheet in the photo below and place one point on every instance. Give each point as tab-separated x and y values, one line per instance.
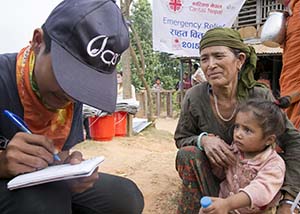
261	50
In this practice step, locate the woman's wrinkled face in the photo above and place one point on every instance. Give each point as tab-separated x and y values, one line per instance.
51	93
220	65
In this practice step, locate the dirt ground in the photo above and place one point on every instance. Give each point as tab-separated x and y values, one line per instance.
148	159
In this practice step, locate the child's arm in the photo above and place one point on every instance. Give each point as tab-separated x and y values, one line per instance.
224	205
257	194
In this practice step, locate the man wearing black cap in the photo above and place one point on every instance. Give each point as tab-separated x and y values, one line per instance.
71	60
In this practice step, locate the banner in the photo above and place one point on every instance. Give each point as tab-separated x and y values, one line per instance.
178	25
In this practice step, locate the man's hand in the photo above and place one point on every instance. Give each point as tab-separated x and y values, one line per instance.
81	184
217	151
26	153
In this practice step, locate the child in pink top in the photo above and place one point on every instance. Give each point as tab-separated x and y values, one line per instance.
252	184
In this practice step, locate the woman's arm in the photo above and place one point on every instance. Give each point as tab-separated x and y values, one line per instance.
187	130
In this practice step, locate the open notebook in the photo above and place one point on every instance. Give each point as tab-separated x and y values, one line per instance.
55	173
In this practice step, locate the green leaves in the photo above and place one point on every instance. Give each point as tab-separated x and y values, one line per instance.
156	64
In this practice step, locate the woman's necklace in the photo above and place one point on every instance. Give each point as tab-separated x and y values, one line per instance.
218	112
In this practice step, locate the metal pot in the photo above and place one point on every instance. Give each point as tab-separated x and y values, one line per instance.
273	30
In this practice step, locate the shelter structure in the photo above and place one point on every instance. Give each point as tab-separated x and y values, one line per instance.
249	23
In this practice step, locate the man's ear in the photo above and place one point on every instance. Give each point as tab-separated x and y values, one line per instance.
271	139
37	40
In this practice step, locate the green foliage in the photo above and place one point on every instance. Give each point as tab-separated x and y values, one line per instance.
157	64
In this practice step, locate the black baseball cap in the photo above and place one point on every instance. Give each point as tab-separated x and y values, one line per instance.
87	40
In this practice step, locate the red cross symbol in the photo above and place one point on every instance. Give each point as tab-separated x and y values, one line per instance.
175	4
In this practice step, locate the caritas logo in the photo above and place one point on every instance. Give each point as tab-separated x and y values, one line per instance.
175	6
176	45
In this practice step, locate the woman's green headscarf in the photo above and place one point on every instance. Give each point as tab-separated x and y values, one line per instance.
231	38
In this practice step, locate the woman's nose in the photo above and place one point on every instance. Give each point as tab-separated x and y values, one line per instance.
211	62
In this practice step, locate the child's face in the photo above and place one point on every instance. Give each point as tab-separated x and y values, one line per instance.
248	135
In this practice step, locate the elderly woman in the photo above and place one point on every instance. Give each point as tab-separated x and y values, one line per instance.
204	131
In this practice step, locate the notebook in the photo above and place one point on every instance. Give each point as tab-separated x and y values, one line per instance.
56	173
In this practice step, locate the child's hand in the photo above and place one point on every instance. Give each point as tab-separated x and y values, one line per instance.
218	206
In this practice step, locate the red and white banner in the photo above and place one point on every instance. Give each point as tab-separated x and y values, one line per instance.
178	25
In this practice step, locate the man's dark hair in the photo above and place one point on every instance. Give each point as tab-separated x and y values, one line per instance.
47	40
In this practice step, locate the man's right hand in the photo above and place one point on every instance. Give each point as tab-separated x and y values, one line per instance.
25	153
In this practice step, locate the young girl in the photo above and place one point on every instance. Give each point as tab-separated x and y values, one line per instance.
252	184
120	87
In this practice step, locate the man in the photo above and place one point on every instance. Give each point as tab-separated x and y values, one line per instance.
198	76
71	60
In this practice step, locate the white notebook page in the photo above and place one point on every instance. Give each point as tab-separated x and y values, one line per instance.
55	173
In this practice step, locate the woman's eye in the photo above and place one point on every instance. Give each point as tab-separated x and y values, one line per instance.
203	59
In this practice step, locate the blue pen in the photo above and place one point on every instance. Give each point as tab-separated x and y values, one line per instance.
21	124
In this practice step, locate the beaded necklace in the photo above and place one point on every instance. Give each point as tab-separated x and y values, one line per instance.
218	112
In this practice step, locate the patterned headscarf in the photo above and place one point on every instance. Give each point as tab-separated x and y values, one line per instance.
231	38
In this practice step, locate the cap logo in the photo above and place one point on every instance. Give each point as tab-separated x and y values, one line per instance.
107	56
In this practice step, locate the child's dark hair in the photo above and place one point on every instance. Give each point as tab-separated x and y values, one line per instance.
269	115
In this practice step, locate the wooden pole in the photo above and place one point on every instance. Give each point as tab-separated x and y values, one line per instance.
181	81
126	71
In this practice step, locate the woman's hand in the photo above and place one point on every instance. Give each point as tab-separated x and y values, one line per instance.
217	151
79	185
285	209
26	153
